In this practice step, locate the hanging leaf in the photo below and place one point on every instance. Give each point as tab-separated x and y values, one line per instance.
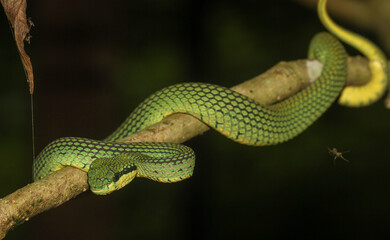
16	14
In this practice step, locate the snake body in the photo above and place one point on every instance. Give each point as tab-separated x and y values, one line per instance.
230	113
112	165
240	118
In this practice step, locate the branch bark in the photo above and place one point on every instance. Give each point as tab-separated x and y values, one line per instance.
279	82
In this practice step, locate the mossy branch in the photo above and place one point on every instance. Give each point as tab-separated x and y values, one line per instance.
279	82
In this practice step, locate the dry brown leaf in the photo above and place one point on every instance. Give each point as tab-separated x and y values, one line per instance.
16	14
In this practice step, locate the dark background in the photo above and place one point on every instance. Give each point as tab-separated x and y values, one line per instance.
94	61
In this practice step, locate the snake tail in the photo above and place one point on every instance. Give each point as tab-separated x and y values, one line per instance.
359	96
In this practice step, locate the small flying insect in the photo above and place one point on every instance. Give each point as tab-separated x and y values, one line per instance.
336	154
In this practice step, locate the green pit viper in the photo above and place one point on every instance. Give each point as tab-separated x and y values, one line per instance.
111	165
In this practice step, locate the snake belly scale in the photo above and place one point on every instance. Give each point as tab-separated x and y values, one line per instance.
230	113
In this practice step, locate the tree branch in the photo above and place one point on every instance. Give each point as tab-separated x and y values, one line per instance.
279	82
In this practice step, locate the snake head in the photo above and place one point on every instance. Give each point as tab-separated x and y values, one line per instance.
109	174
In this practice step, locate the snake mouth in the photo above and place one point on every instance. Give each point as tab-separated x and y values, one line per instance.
101	191
98	192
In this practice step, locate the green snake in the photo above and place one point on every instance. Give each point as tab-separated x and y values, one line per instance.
111	165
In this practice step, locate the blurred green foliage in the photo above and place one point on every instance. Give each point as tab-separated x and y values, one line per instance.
95	62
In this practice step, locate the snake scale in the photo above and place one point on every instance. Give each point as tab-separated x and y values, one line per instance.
111	165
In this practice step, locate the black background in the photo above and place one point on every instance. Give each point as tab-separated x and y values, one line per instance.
94	61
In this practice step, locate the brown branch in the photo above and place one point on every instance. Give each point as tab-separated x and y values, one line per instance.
281	81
